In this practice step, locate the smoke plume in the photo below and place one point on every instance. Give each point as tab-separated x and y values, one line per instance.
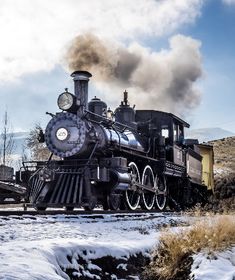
162	80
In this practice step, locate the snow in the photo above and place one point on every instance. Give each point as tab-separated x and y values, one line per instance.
38	247
218	266
122	266
44	247
222	170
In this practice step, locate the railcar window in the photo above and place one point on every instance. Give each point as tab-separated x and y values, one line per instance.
165	132
176	135
181	134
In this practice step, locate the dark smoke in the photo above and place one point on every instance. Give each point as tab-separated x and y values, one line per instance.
89	53
162	81
126	64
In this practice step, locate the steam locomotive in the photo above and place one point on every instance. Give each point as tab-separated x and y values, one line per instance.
126	159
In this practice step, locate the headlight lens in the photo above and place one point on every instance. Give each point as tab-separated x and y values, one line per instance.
65	101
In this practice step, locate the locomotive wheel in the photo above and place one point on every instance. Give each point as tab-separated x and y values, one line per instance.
132	196
90	205
148	180
161	192
112	201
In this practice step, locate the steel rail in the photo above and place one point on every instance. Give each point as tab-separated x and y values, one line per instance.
91	214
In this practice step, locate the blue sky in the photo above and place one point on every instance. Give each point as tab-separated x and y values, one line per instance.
33	69
216	30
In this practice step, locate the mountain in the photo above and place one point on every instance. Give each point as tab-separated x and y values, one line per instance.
208	134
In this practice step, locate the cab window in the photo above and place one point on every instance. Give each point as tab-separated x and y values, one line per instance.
165	132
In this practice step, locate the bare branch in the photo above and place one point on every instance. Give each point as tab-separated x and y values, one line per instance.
38	150
7	142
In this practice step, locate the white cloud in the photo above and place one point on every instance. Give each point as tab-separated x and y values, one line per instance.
34	34
229	2
163	80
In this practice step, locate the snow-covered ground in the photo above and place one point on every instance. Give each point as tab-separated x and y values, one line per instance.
49	247
42	247
218	266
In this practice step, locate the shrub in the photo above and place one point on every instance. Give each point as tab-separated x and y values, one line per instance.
173	255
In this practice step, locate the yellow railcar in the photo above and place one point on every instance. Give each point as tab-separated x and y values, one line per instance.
207	154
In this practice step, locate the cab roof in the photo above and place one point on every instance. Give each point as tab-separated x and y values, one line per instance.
155	113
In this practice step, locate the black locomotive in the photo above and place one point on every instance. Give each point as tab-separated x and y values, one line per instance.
123	159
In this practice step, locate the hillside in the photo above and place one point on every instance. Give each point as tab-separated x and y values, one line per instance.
224	150
224	155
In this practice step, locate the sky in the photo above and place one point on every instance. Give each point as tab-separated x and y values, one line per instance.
184	49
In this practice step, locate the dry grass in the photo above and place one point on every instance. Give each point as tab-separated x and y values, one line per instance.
214	206
172	256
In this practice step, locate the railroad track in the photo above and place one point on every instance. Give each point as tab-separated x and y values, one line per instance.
92	214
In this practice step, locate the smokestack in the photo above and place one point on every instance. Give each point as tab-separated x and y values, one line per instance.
81	79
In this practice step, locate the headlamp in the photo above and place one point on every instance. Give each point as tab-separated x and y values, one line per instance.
66	101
